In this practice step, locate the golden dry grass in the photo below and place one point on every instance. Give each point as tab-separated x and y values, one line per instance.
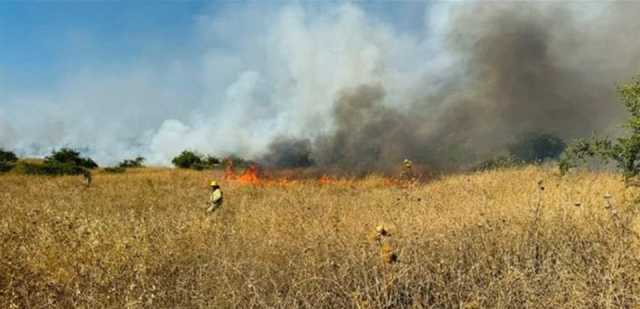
494	239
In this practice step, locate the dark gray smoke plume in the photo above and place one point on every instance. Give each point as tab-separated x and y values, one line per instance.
287	152
522	68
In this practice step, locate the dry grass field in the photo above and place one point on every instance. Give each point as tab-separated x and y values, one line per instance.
518	238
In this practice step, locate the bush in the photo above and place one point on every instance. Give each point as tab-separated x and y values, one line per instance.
6	166
193	160
7	156
625	151
237	162
135	163
7	160
536	147
187	159
52	168
70	156
211	161
498	163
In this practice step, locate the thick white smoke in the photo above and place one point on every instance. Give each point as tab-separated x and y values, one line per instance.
257	73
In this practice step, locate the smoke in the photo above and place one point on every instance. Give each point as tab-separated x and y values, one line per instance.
288	153
338	86
524	68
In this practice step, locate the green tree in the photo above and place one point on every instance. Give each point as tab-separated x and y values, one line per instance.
135	163
187	159
7	156
70	156
537	147
624	151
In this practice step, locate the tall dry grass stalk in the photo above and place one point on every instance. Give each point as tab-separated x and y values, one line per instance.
494	239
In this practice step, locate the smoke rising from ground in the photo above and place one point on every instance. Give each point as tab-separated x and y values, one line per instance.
524	68
339	87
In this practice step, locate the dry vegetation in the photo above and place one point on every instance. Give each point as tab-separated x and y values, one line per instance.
494	239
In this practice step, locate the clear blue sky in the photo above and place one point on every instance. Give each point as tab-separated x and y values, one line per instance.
40	42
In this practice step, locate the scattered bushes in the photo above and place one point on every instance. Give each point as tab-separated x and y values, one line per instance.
135	163
6	166
52	168
62	162
498	163
625	151
190	159
70	156
7	156
7	160
237	162
532	147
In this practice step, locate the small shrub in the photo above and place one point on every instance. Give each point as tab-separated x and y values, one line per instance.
6	166
498	163
211	161
70	156
135	163
51	168
193	160
237	162
7	156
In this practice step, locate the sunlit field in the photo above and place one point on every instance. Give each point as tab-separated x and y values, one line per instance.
513	238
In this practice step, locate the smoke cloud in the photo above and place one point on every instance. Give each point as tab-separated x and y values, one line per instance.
339	87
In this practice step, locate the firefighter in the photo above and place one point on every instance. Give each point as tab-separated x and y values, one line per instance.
215	201
407	166
87	177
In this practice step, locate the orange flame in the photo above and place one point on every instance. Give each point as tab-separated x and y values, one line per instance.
326	180
250	175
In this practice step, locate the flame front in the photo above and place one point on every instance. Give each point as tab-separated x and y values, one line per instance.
250	175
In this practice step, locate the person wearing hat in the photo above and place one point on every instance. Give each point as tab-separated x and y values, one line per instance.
215	201
407	172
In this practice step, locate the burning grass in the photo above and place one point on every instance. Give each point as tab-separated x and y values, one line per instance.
492	239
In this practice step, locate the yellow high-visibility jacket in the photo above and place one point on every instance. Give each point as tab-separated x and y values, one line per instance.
216	197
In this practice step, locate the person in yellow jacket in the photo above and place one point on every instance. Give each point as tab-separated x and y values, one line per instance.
407	169
215	200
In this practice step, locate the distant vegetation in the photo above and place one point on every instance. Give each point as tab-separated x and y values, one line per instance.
7	160
70	157
624	151
134	163
537	147
65	161
533	147
7	156
194	160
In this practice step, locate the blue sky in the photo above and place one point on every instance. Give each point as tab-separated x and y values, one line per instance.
41	42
